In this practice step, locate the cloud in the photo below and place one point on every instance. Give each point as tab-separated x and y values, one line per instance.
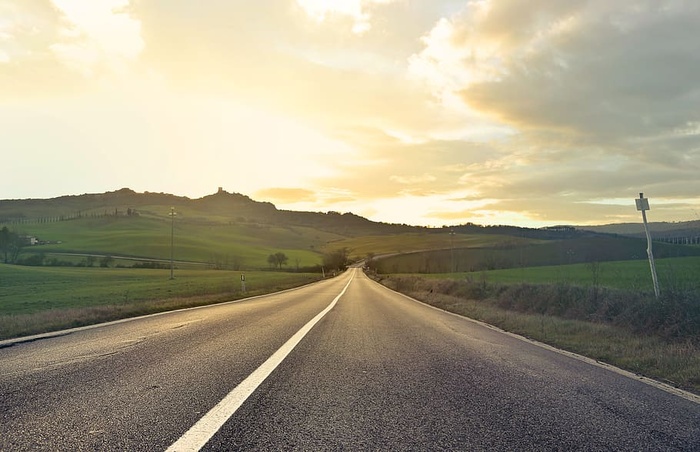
594	71
601	97
489	110
412	180
52	48
96	32
287	195
358	11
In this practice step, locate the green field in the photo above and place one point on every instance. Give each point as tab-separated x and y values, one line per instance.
37	299
415	242
680	273
25	290
245	245
507	253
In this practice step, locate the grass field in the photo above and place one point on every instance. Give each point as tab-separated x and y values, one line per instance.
680	273
246	244
38	299
508	254
412	242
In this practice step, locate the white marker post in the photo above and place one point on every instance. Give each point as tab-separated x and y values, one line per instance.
172	241
242	282
643	206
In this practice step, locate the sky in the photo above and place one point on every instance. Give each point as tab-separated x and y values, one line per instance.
424	112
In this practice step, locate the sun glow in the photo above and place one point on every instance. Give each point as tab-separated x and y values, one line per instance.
251	142
390	109
97	31
357	10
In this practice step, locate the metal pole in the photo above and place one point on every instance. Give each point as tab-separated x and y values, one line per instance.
172	240
643	206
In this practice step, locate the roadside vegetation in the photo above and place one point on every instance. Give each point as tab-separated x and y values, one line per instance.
602	311
91	258
36	300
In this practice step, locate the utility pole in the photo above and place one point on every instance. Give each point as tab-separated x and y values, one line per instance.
643	206
172	241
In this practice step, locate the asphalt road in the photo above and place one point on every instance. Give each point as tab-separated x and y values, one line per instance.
377	371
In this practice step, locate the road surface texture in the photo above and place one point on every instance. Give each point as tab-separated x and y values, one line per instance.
340	365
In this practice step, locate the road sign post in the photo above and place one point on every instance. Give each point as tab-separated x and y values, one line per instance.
643	206
172	241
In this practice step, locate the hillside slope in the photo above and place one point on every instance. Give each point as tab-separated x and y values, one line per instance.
221	207
657	230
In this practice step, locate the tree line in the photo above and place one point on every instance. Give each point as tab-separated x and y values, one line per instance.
129	212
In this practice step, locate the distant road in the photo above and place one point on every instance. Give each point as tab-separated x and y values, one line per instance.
344	364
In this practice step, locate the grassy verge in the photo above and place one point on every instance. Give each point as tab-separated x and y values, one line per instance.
36	300
653	344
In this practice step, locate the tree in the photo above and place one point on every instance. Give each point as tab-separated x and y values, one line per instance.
336	260
11	245
281	259
277	260
4	242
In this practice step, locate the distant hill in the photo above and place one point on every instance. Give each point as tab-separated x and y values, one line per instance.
234	229
228	208
221	207
658	231
233	208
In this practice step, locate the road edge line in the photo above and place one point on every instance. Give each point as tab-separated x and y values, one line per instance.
687	395
10	342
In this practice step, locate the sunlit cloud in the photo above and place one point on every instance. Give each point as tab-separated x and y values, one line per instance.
287	195
413	179
491	111
97	32
356	10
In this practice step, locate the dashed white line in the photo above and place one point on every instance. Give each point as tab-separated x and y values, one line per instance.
201	432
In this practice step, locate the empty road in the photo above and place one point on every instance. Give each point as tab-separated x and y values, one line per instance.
344	364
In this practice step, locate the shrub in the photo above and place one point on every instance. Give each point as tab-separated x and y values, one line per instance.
675	317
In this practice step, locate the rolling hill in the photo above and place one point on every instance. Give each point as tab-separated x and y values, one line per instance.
658	230
234	231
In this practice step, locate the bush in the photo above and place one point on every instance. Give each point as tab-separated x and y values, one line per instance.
675	316
150	264
35	260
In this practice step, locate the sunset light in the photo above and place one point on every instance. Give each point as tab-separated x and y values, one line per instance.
428	113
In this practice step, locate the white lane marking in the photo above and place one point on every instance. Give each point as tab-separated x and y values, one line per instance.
201	432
